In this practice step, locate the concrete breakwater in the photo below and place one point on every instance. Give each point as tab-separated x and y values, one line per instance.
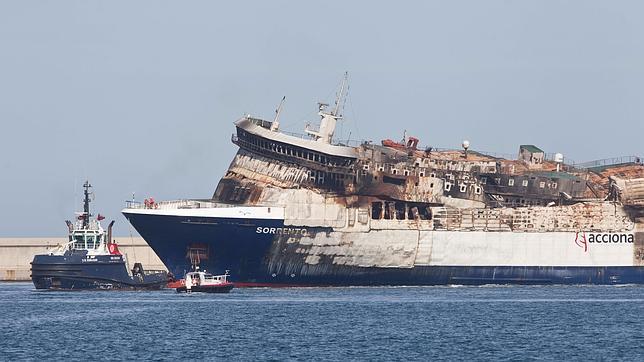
17	253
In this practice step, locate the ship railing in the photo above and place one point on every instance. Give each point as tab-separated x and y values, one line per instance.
336	142
175	204
171	204
611	161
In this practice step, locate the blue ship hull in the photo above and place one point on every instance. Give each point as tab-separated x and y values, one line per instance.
77	271
258	259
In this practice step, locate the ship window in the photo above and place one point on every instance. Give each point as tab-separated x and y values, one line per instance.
90	241
381	168
448	186
365	167
477	190
425	213
497	180
484	180
412	213
525	183
388	210
406	172
394	171
79	241
462	187
554	185
421	174
431	186
317	158
432	175
400	210
542	184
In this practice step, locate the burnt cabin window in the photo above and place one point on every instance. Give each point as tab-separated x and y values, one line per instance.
376	210
388	210
411	213
400	210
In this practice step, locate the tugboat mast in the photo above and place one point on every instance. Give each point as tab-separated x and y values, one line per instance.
86	213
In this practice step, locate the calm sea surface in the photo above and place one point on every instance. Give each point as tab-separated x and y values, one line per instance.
414	323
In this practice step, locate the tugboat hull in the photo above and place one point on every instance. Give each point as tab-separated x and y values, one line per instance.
81	272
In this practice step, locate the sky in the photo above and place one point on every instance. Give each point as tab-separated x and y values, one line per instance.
141	96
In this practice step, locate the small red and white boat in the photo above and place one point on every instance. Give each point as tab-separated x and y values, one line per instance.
201	281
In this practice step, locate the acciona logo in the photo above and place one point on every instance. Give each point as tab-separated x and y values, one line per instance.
582	240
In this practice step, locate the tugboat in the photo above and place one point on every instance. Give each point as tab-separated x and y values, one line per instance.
201	281
90	260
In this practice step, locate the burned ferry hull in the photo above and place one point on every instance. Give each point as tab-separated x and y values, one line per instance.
265	252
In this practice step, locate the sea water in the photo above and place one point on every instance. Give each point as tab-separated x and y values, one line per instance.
389	323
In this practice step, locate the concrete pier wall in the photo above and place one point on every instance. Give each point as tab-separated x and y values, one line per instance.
17	253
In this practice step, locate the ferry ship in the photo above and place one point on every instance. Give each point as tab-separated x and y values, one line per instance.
310	211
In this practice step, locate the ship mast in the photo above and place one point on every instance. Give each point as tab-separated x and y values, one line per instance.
339	99
329	120
276	123
86	213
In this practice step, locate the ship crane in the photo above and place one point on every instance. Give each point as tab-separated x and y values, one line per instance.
329	119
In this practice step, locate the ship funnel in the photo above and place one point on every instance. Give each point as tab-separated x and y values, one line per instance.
109	232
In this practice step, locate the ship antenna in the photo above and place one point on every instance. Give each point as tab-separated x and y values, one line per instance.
276	124
338	100
86	213
325	132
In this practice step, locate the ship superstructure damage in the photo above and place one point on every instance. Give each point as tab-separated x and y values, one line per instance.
397	213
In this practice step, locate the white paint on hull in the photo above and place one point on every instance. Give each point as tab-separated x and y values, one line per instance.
241	212
409	248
